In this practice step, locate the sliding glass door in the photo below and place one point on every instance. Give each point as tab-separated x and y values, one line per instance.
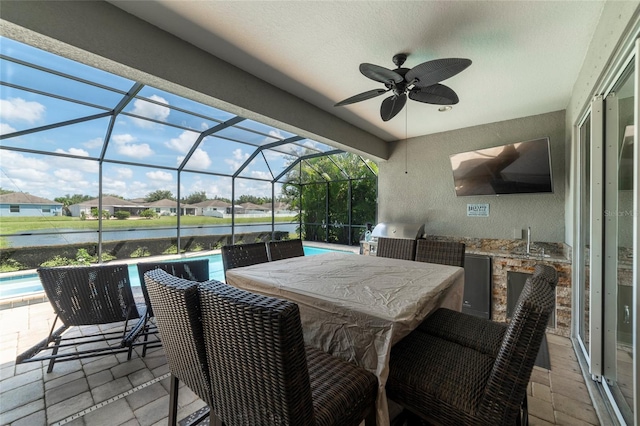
619	216
606	244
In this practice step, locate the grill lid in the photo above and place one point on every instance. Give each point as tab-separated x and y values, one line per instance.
407	231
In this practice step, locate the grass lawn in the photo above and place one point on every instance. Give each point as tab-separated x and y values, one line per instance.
17	225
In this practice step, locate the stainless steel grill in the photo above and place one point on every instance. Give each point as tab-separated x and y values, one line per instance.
407	231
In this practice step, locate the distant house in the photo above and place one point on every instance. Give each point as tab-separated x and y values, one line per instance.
213	208
109	203
251	208
21	204
278	208
166	207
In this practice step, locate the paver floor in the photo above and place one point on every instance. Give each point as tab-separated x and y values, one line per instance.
111	390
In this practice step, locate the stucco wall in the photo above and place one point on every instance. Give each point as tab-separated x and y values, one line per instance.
426	191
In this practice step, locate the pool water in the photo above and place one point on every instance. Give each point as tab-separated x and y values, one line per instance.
24	285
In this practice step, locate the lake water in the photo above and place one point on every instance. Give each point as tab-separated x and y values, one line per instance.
23	285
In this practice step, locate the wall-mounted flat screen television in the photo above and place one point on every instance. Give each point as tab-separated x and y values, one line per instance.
517	168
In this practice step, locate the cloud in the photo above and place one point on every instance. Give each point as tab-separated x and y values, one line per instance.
150	110
159	175
94	143
68	175
182	143
17	109
5	129
123	138
199	160
124	173
261	175
113	186
73	151
237	160
125	147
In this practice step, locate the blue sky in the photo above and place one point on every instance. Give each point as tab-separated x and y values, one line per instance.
157	129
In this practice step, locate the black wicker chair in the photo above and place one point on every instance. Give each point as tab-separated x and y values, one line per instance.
396	248
239	255
83	296
457	369
177	312
285	249
192	270
263	375
442	252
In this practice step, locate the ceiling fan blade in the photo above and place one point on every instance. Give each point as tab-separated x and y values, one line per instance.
378	73
392	106
432	72
437	94
362	97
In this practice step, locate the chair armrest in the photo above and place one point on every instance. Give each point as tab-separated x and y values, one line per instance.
137	330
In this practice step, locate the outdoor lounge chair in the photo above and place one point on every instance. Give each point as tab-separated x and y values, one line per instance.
261	372
86	296
442	252
396	248
192	270
457	369
239	255
285	249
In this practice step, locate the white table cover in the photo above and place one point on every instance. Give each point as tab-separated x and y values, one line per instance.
357	307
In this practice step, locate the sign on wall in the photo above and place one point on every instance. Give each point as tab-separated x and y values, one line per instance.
478	210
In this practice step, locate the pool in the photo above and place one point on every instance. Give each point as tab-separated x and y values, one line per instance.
28	284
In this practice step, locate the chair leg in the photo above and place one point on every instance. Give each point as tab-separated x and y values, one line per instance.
54	352
146	338
173	401
523	418
370	420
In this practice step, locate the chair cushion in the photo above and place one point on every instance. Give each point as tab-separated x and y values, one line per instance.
436	377
476	333
342	392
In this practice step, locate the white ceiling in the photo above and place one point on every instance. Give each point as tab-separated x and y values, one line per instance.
526	54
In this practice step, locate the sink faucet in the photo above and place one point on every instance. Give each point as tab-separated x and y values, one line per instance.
529	240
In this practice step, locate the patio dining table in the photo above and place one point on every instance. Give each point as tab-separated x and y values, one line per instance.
357	307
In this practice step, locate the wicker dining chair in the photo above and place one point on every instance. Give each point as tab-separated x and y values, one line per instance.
262	374
239	255
396	248
193	270
442	252
178	317
86	296
448	376
284	249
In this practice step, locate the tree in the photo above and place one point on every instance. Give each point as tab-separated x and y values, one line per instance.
69	200
196	197
317	180
5	191
160	194
252	199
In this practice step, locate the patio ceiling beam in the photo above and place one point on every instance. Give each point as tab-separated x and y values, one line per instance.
51	95
55	125
206	133
305	157
133	91
262	147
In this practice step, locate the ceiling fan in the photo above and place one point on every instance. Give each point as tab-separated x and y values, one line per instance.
420	83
